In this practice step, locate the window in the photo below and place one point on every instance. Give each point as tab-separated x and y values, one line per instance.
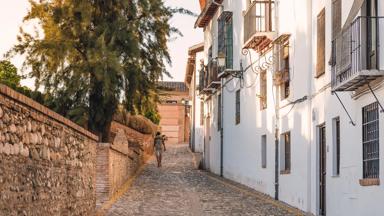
284	79
336	30
238	107
171	102
225	38
285	150
320	65
264	151
219	112
201	112
263	90
336	18
210	53
229	43
336	146
371	141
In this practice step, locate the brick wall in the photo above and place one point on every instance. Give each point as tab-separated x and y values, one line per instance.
47	163
120	159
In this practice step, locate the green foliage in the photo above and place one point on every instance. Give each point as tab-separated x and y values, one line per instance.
153	115
136	122
10	78
95	54
8	74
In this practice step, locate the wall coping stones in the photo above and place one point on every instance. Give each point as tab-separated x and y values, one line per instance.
10	93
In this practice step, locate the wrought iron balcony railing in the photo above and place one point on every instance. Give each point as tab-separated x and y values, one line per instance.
356	54
213	80
259	24
209	79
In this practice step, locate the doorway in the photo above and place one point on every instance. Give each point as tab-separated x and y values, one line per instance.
322	169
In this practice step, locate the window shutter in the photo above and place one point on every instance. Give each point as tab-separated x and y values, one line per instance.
201	79
263	89
221	36
336	18
229	43
336	30
320	65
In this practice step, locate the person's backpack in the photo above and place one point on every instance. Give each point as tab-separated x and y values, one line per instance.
158	141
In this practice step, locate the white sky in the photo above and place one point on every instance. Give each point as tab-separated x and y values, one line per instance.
12	14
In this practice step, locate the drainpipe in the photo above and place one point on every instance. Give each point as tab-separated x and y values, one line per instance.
193	131
222	130
310	106
276	160
276	117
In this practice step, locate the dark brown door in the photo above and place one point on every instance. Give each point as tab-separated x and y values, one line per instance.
322	170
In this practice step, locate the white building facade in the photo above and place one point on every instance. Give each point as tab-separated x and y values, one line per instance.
195	58
292	95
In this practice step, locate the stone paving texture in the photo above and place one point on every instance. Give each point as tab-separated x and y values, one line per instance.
178	188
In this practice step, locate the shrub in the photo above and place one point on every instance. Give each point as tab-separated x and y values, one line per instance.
136	122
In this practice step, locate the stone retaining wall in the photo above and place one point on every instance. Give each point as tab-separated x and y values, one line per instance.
120	159
47	163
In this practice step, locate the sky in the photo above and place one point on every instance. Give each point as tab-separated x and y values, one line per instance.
12	13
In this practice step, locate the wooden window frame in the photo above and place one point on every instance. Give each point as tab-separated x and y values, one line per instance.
263	90
284	68
286	147
320	61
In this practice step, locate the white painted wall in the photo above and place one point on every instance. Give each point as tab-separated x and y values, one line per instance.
242	142
199	129
345	196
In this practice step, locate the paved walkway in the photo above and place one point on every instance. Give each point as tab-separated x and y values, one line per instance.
179	189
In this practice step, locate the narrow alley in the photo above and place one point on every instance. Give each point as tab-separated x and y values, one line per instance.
179	189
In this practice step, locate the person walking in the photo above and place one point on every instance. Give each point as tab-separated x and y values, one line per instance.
158	146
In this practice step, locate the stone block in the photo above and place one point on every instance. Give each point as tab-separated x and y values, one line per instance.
7	149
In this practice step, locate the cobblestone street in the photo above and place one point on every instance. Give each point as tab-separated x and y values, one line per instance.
179	189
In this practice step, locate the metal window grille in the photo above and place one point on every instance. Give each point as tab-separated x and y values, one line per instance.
229	43
287	151
221	37
283	68
337	124
219	112
264	151
201	79
202	113
238	107
225	38
371	141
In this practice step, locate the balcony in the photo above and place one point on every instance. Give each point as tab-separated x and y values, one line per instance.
259	28
213	78
210	8
356	54
209	80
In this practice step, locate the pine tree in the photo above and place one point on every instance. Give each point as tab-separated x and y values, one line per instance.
94	54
